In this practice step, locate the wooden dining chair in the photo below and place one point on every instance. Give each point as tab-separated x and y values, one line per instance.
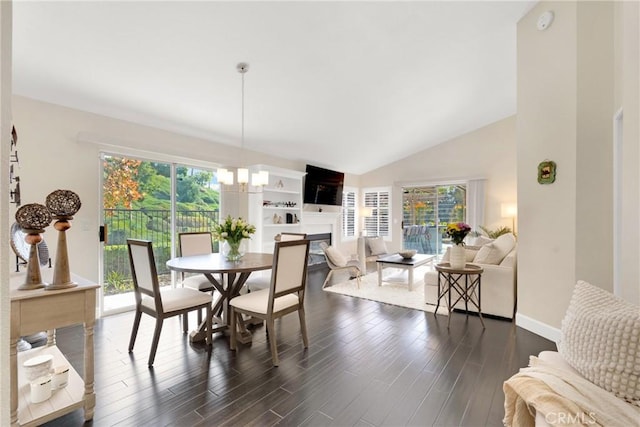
160	305
195	243
285	294
257	282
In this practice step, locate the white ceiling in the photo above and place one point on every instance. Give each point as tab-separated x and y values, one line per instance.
350	86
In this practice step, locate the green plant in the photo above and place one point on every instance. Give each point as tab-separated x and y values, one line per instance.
493	234
118	282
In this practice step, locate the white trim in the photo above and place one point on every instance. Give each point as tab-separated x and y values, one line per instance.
618	144
538	328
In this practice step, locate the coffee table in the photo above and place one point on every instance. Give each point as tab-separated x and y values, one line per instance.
409	264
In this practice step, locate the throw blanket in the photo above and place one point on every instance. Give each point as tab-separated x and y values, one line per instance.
563	398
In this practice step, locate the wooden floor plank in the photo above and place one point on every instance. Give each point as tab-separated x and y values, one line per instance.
368	364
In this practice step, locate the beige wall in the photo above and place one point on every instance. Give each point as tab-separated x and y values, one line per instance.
488	153
628	96
566	81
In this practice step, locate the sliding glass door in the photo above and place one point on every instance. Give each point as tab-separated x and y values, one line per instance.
144	199
426	211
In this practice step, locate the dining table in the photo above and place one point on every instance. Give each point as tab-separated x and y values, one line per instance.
228	278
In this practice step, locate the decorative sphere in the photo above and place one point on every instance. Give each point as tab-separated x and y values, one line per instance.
33	216
63	203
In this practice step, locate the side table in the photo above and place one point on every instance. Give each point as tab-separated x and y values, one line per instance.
467	290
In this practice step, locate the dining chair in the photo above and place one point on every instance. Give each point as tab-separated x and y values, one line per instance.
195	243
338	262
257	282
285	294
160	305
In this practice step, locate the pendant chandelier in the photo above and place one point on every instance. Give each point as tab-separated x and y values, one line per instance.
225	176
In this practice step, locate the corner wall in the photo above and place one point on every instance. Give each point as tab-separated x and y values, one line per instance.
567	82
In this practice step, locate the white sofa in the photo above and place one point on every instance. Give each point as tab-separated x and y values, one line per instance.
498	285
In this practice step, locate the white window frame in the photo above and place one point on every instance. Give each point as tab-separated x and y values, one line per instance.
349	222
378	213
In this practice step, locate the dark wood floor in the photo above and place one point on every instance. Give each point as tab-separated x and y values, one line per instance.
368	364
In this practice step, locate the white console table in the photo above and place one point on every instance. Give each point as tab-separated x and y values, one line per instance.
38	310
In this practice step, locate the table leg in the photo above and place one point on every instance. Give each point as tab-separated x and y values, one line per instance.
449	285
379	266
410	278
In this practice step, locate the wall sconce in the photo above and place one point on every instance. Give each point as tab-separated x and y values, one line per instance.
510	210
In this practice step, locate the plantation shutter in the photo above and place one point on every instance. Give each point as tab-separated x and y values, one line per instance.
348	213
380	203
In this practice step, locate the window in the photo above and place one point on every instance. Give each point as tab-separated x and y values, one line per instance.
348	213
379	201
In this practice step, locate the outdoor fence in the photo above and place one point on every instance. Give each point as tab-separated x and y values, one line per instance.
154	225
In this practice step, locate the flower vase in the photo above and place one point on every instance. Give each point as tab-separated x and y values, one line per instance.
232	250
457	257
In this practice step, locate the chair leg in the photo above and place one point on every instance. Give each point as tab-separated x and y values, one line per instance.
199	316
232	339
185	323
327	279
134	330
272	341
303	327
156	338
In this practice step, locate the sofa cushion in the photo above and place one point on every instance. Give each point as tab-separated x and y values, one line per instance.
377	246
335	256
600	338
494	252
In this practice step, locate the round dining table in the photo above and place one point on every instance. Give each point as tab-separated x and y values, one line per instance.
231	276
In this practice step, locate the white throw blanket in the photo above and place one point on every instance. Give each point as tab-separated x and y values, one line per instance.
563	398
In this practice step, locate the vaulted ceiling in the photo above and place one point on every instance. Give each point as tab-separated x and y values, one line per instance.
347	85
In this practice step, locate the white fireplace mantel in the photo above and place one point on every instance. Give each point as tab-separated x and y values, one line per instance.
322	222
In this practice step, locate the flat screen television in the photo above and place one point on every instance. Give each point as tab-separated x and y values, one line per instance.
323	186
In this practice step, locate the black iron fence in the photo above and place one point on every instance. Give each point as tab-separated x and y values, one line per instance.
154	225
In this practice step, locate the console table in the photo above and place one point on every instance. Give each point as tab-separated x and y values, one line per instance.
38	310
469	291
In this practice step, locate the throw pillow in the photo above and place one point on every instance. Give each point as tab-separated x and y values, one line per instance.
494	252
600	338
481	240
488	254
377	246
335	256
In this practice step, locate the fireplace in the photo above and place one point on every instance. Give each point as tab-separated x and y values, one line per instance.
316	255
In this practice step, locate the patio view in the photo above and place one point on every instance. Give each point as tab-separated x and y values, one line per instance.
137	203
426	211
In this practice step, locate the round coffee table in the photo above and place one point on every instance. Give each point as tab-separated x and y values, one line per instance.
467	290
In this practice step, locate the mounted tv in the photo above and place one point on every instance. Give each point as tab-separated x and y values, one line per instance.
323	186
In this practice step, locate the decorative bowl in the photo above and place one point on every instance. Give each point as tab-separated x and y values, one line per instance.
38	366
407	254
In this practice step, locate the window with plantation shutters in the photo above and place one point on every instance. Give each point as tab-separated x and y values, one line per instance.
379	201
348	213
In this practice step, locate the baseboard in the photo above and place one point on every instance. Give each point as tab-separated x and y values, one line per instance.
537	327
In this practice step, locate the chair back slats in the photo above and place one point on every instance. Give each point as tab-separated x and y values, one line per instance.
143	270
289	271
197	243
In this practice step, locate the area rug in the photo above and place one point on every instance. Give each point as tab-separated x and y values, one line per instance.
394	290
